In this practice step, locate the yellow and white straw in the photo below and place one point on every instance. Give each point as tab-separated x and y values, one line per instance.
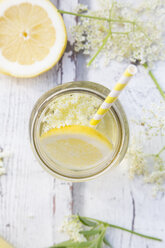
111	98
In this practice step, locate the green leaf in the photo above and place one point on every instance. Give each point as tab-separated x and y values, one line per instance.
86	222
100	239
106	242
155	81
73	244
84	244
64	244
94	245
90	232
106	224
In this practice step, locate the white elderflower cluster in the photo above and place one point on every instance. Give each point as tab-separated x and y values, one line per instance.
70	109
136	33
152	120
72	227
136	159
150	166
157	173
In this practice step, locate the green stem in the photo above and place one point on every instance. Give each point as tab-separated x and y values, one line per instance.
121	33
161	151
100	48
155	81
125	229
94	17
110	13
135	233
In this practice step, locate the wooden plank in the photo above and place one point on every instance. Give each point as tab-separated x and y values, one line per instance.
62	199
26	190
32	203
113	197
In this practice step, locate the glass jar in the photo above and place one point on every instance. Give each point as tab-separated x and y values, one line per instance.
119	120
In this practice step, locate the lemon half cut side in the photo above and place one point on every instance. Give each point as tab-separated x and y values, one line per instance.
32	37
75	146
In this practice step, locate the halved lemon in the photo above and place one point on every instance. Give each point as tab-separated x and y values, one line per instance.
4	244
32	37
75	146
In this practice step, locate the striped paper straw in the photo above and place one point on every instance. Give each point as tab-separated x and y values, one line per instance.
111	98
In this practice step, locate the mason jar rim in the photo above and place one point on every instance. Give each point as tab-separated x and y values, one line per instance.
85	86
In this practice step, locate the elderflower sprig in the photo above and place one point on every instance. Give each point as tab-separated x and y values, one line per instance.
150	166
73	227
122	32
94	233
137	32
157	176
141	158
152	120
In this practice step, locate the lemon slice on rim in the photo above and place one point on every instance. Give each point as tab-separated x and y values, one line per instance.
75	146
32	37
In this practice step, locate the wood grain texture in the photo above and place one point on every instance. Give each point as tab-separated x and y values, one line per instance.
33	203
63	202
114	197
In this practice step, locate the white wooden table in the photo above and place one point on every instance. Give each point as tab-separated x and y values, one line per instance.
32	202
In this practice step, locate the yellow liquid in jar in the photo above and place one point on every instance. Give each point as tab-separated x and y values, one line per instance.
76	109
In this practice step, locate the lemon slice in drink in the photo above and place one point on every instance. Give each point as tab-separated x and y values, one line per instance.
32	37
75	146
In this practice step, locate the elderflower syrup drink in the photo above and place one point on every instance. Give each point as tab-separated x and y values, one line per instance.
61	136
